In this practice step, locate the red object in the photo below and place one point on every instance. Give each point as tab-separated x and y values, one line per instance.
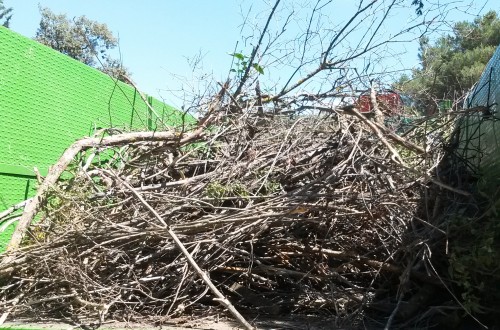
388	101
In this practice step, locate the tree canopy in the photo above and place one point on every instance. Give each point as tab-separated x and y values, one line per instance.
5	14
453	63
83	39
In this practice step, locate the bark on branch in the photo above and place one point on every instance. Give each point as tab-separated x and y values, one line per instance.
55	172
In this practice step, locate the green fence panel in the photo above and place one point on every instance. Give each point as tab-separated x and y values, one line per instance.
480	131
47	101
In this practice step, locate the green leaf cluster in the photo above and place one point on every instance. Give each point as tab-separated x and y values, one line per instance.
242	64
474	260
220	192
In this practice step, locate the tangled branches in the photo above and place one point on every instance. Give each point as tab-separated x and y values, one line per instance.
307	215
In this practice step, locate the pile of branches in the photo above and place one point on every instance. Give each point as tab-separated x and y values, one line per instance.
315	215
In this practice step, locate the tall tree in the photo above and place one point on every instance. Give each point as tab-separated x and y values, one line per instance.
82	39
5	14
453	63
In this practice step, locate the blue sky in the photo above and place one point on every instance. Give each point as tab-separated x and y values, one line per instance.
156	37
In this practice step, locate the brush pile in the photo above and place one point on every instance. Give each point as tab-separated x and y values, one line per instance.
311	215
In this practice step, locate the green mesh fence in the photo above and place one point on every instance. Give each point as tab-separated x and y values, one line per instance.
480	131
47	101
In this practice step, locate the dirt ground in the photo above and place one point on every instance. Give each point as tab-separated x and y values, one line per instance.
290	323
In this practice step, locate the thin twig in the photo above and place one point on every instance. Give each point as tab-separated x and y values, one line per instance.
220	297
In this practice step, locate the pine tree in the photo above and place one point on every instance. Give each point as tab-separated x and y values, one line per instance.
453	63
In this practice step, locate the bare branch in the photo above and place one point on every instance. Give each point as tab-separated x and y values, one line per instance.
255	50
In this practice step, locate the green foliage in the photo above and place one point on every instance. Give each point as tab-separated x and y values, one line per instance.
115	69
58	211
474	261
220	192
271	187
242	65
5	14
451	65
82	39
236	193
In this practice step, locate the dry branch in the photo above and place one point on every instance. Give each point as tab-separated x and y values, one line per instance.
270	213
14	208
55	172
220	297
395	154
